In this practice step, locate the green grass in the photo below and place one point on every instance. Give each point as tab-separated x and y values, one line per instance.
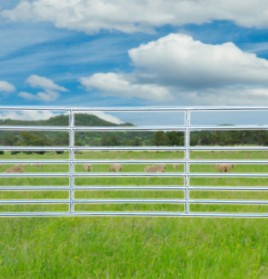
135	247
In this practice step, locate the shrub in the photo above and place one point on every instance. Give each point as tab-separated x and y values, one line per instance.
14	152
40	152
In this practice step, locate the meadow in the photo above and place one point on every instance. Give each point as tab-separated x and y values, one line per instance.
134	247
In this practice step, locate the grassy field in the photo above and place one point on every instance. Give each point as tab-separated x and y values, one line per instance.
134	247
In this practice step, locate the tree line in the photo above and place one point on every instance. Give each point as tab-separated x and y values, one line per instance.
159	138
119	138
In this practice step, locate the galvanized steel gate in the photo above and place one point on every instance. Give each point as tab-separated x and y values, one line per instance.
187	175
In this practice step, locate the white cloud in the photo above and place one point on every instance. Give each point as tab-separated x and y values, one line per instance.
49	93
179	60
183	71
226	96
139	15
27	96
45	83
46	96
123	86
46	114
28	115
6	87
108	117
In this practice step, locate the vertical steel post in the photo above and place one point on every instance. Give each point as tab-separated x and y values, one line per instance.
187	158
72	158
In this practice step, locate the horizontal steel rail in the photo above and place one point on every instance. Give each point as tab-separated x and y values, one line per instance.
48	201
34	148
132	174
51	174
229	148
129	174
34	128
35	161
181	169
248	162
229	128
92	201
126	128
214	201
34	188
133	109
228	188
228	174
130	188
129	201
133	214
119	161
130	148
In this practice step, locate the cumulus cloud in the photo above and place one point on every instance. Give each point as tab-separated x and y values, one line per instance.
45	83
226	96
28	115
180	68
46	114
50	90
6	87
179	60
139	15
123	86
47	96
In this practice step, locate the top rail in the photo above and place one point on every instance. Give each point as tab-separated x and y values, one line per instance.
137	108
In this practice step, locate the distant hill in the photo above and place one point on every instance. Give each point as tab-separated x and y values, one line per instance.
54	138
63	120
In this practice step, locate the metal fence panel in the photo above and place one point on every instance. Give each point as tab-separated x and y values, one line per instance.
185	196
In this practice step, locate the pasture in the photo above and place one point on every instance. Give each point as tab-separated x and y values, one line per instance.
134	247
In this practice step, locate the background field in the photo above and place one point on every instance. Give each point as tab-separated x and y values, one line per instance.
135	247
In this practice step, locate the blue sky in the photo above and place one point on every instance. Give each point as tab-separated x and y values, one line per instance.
133	53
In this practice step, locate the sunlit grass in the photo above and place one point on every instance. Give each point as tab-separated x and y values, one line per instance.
127	247
133	248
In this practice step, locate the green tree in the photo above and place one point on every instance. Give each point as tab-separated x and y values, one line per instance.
175	138
160	138
110	140
31	139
